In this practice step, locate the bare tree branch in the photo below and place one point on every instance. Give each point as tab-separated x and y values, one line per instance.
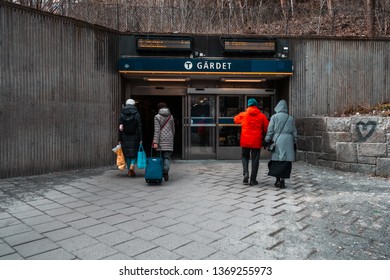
266	17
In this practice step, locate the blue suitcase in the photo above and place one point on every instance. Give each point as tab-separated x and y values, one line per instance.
154	169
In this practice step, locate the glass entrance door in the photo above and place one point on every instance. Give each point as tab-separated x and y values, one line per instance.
202	126
228	146
228	133
209	128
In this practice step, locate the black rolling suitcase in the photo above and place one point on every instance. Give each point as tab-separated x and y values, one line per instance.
154	169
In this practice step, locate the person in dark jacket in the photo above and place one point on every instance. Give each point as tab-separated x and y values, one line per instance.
130	134
254	125
164	134
283	132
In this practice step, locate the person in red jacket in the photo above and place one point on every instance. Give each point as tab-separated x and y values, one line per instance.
254	125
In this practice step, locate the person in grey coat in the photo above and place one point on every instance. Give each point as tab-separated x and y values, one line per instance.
283	132
164	134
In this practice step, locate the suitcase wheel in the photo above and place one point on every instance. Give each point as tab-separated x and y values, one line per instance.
157	181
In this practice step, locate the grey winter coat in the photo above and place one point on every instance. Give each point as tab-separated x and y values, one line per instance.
164	136
286	137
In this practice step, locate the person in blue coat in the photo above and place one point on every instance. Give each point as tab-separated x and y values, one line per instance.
281	131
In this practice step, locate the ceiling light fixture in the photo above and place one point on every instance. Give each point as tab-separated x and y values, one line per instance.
228	80
161	79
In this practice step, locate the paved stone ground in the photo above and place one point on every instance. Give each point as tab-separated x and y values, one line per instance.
203	212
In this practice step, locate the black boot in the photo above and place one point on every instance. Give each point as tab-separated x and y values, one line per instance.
253	183
166	176
246	179
282	185
277	183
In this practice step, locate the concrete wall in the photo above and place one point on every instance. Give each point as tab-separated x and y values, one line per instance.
354	144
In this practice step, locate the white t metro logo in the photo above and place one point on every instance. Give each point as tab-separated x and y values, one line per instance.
188	65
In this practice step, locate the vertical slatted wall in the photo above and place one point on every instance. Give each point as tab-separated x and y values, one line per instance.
59	93
333	75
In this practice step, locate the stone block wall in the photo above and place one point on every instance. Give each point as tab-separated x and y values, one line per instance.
354	144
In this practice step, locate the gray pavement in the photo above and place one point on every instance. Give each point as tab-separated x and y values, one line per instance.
203	212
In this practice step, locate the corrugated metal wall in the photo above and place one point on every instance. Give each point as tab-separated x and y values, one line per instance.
333	75
59	93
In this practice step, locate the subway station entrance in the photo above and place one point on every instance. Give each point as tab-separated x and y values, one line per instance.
203	94
204	126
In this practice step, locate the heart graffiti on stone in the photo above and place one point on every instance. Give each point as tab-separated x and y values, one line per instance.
365	130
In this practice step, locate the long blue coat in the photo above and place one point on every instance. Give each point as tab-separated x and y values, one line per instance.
282	128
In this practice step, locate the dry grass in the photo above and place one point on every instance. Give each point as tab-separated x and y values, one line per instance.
382	110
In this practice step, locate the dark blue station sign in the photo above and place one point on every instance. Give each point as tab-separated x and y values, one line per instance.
204	66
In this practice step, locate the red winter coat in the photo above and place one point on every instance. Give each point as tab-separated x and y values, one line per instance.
254	125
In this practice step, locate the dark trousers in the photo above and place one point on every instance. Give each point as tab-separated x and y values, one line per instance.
167	158
247	154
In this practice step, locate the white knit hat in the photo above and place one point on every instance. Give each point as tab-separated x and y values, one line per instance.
130	102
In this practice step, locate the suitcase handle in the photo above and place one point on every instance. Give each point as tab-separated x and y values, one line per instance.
151	152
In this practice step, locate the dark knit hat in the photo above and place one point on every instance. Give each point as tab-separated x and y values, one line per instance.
252	102
161	105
